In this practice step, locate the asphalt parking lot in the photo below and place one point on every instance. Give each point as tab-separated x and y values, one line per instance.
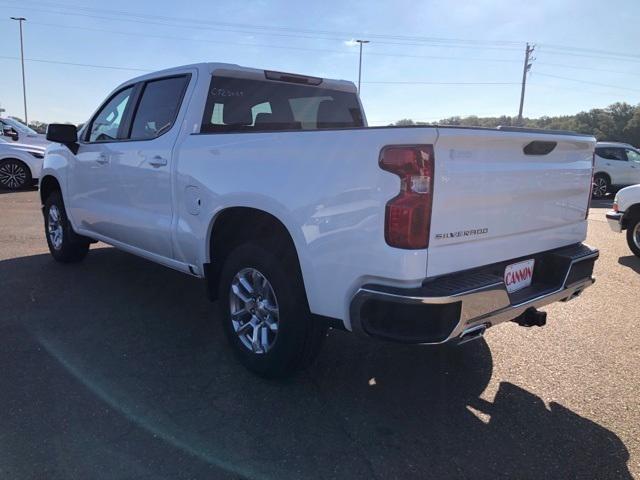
117	368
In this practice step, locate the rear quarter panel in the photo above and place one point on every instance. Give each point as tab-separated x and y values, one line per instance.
324	186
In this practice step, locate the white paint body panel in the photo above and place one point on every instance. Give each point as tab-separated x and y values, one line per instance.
327	189
527	203
21	152
627	197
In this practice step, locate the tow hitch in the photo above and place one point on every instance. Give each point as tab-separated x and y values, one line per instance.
531	318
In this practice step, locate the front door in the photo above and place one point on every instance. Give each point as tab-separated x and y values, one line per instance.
90	198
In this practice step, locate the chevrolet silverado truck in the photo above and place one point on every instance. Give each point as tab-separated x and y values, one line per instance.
299	217
625	215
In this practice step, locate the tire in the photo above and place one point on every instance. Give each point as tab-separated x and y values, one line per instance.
633	236
64	244
14	174
296	339
601	185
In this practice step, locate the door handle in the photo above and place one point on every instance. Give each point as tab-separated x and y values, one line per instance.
102	159
158	161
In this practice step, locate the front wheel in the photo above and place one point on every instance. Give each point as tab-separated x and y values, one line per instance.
633	236
64	244
14	174
265	313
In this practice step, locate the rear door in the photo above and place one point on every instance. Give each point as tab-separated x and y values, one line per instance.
141	186
500	195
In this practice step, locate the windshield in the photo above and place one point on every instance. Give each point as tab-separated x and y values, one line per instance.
19	126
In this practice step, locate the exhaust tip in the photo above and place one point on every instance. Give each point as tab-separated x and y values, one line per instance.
472	333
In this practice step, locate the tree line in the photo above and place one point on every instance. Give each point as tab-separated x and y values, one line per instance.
619	122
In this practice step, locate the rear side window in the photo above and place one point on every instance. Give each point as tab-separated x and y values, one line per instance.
158	107
239	105
612	153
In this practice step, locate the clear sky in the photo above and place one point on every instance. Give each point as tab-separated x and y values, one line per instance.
457	57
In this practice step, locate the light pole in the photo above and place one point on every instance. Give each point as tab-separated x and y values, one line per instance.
24	88
360	63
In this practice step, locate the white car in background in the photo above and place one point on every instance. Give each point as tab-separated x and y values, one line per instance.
11	130
626	216
20	165
616	165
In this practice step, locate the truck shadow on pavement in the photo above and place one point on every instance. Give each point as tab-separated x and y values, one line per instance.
117	368
630	261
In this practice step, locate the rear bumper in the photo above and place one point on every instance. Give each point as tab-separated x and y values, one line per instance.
446	308
614	219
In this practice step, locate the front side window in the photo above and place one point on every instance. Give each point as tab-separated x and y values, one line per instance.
158	107
106	124
611	153
235	105
633	155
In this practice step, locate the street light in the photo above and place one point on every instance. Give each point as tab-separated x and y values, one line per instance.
24	88
360	63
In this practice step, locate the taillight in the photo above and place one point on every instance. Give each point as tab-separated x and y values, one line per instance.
408	214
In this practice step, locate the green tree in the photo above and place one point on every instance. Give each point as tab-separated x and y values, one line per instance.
619	122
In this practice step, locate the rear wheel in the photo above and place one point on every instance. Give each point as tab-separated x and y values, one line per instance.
14	174
64	244
601	186
633	236
265	313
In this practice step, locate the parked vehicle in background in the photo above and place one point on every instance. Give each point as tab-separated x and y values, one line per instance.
617	165
14	131
271	187
20	165
626	216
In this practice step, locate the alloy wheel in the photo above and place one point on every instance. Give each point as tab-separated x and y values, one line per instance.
254	310
54	227
599	187
12	175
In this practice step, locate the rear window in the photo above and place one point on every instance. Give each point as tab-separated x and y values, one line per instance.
244	105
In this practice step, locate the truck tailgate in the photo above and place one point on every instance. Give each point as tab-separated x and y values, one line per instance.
494	202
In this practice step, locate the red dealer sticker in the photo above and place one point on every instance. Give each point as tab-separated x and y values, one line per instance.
518	275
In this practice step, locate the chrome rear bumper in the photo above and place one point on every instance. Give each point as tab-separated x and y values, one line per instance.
444	309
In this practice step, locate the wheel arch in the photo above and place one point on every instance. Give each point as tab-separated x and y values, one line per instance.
632	213
48	185
235	225
602	173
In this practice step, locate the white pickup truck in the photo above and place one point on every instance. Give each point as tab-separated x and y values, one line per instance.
271	187
625	215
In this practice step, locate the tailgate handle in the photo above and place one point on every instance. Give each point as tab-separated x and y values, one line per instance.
539	147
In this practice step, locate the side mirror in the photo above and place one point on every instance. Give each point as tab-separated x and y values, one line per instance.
11	133
63	133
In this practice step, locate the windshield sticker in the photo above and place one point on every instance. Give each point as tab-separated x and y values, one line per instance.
224	92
